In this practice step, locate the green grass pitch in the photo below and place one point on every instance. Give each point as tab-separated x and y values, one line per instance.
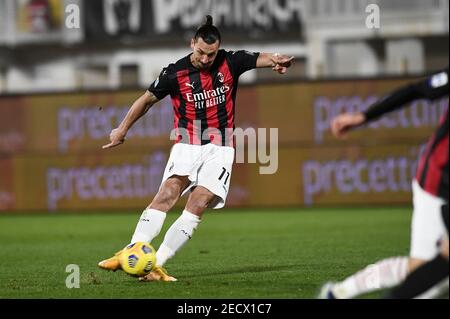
286	253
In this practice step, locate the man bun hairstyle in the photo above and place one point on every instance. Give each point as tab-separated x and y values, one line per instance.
208	20
208	32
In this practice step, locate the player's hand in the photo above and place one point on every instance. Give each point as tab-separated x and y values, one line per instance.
343	123
117	137
282	62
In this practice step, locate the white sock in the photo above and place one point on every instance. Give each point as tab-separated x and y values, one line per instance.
149	226
176	236
383	274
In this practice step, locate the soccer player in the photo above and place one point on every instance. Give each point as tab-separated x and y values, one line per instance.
430	192
203	87
427	279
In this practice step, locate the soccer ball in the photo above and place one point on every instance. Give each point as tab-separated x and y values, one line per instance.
138	259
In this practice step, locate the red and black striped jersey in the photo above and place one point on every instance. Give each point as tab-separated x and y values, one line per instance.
432	171
204	101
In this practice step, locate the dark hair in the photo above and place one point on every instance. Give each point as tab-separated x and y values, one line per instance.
208	32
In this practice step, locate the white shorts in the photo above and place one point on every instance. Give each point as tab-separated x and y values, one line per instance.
208	166
427	226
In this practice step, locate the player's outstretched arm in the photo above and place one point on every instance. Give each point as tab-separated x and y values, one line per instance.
137	110
431	88
278	62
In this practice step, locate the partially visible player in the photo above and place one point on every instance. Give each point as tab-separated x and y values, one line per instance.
430	192
203	87
427	279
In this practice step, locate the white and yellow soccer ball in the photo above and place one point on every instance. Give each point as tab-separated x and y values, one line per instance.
138	259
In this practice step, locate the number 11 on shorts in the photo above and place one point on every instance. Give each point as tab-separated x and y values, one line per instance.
224	170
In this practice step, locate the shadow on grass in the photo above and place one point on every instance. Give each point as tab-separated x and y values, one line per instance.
242	270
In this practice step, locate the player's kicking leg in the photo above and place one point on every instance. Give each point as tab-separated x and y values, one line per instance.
180	232
212	185
152	219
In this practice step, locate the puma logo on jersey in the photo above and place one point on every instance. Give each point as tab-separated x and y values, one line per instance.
190	85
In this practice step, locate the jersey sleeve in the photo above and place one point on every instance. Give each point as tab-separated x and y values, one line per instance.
161	87
433	87
243	61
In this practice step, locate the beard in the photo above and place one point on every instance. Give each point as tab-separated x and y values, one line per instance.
204	67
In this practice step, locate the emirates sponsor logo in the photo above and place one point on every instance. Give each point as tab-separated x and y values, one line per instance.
208	98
